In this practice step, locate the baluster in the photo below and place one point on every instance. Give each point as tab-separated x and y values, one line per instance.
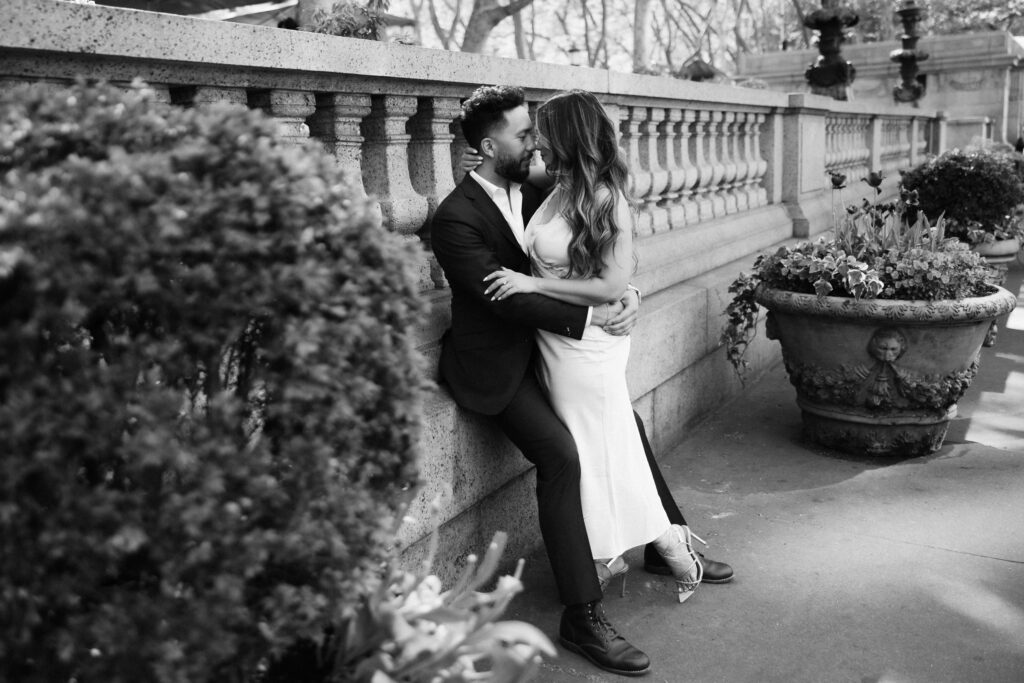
714	136
865	145
760	197
848	145
830	127
685	143
430	159
161	91
629	126
194	96
430	150
653	200
386	162
922	139
852	141
856	141
336	123
386	169
705	166
744	160
670	160
839	143
290	108
728	157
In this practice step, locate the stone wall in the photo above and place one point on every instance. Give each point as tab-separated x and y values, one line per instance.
722	173
974	79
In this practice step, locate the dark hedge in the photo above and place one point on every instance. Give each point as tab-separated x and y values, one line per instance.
209	389
977	191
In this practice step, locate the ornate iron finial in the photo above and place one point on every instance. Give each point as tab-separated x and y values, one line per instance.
830	74
912	85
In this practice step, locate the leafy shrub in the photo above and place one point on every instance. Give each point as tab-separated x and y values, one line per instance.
209	390
878	250
352	20
977	191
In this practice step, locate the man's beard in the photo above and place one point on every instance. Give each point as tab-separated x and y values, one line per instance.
512	168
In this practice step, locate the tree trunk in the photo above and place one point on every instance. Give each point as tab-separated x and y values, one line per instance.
641	27
485	16
521	50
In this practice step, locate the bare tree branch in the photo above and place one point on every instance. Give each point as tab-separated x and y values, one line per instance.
485	16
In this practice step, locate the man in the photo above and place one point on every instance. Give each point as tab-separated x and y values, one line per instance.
487	355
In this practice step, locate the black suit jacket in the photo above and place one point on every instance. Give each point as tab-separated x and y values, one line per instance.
489	346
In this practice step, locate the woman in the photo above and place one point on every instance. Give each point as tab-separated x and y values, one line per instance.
580	247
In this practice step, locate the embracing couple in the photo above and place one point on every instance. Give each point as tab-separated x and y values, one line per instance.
541	312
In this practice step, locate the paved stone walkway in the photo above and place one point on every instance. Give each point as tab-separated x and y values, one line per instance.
848	569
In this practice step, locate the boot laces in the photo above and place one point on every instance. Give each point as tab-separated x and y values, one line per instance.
601	624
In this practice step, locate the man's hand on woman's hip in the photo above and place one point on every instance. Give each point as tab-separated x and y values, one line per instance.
623	314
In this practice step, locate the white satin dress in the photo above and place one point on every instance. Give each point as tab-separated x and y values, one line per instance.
586	381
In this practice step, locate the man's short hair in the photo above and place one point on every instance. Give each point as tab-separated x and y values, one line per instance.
486	109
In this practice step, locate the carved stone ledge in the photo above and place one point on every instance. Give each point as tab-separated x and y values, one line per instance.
993	305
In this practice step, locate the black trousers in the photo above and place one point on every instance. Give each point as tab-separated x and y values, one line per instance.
531	424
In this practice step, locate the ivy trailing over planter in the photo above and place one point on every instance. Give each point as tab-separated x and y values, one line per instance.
209	389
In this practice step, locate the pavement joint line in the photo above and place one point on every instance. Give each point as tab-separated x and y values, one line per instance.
894	540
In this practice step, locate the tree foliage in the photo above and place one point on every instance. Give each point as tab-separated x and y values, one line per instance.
660	36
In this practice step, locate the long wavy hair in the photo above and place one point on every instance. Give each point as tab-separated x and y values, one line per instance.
586	160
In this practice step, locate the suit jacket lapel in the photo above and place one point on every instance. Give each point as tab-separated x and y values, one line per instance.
489	209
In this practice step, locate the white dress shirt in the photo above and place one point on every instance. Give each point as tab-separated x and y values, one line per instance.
509	202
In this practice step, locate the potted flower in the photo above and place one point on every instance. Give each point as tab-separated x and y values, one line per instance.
881	326
980	193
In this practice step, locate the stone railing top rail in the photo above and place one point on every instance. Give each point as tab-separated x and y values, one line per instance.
946	52
55	27
809	101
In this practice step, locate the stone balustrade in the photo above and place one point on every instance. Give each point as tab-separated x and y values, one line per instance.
720	173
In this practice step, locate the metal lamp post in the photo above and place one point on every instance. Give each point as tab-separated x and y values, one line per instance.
830	74
912	85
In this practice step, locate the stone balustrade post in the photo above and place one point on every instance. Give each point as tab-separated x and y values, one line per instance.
290	108
803	167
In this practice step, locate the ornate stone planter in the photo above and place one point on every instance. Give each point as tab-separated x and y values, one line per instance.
880	377
999	255
999	251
